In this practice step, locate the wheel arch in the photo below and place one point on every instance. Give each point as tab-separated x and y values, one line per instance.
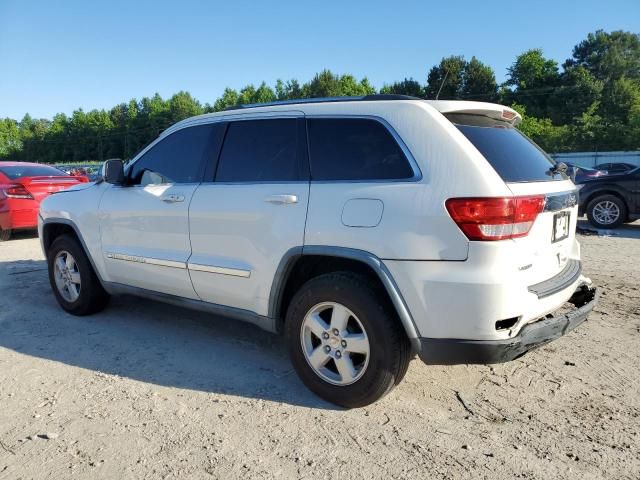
325	259
52	228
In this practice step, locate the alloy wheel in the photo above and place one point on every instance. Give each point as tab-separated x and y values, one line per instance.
606	212
335	343
67	276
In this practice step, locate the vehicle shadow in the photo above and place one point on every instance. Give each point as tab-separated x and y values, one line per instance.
627	230
147	341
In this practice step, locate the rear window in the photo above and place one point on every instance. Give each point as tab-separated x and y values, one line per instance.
355	149
512	155
18	171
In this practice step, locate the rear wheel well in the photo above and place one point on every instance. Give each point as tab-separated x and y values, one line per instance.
307	267
51	231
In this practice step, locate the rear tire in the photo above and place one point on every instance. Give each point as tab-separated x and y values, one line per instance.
606	211
4	235
73	281
343	374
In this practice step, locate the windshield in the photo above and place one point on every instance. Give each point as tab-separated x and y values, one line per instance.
18	171
511	154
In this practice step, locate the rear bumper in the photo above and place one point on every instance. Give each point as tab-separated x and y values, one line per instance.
449	351
22	218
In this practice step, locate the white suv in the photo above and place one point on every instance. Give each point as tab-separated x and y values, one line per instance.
365	229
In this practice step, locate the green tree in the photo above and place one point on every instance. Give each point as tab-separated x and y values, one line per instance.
288	90
608	56
10	139
263	94
446	78
408	86
229	98
327	84
479	82
455	78
577	92
532	79
550	137
182	105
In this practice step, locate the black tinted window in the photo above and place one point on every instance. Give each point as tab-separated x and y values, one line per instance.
354	149
18	171
178	158
260	150
512	155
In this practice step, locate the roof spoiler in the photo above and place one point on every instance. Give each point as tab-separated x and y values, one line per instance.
492	110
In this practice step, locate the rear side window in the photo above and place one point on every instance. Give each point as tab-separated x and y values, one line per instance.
261	151
178	158
18	171
512	155
354	149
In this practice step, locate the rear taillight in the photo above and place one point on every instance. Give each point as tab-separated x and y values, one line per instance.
495	218
17	191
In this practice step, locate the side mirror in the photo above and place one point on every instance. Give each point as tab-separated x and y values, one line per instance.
113	172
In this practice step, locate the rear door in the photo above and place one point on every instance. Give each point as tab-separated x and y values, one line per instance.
250	212
144	225
527	170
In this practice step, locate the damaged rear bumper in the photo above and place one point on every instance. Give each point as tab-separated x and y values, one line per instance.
450	351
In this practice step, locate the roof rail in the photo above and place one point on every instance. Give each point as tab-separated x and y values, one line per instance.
365	98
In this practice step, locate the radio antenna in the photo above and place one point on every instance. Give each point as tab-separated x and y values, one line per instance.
442	84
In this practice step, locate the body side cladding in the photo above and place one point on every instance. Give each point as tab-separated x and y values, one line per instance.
279	282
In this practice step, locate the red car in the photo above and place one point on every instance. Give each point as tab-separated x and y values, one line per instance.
22	188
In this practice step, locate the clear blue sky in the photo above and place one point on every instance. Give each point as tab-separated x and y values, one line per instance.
58	56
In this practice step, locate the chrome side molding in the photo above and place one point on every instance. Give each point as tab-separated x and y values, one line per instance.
196	267
235	272
147	260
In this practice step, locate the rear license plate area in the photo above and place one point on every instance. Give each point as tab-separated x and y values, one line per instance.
560	226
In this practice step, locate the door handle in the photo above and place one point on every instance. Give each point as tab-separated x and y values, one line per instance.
282	199
173	198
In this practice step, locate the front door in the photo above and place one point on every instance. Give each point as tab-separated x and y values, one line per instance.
244	222
145	224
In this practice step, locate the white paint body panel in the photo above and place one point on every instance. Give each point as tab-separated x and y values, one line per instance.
234	226
136	221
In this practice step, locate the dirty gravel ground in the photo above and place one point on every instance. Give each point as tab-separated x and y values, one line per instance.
144	390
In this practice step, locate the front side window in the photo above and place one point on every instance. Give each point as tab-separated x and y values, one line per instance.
261	151
178	158
355	149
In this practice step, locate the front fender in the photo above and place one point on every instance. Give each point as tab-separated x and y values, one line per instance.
77	209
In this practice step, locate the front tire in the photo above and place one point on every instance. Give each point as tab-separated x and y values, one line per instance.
345	341
606	211
73	281
4	235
